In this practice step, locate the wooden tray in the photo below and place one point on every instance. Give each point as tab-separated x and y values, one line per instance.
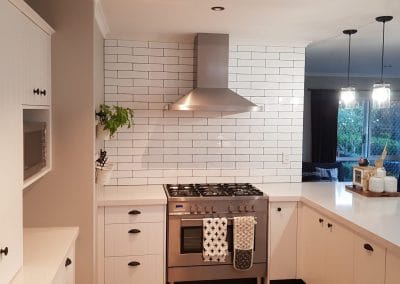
371	193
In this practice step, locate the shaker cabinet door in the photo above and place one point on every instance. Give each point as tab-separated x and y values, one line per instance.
11	168
283	240
313	246
392	268
369	262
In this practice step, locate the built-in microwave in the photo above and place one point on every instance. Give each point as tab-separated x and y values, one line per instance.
35	152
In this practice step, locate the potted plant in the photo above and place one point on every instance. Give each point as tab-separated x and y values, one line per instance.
103	169
111	118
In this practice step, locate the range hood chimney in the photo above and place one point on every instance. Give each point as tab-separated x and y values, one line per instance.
211	91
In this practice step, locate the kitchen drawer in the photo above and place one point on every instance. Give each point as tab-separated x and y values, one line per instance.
134	214
147	269
134	239
66	272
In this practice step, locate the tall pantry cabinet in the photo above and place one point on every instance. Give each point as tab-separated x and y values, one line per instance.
24	66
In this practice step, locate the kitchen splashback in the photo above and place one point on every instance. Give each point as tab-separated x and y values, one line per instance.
197	147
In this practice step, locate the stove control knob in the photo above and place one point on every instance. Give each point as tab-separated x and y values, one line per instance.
241	208
213	209
230	209
198	210
192	210
207	209
247	208
253	208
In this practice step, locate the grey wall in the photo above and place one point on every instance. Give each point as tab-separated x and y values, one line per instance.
65	197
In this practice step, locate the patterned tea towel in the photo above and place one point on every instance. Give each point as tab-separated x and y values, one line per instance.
243	242
215	246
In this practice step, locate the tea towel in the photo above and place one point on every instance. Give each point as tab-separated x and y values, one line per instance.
215	246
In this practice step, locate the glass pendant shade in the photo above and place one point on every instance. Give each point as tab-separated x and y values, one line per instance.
348	94
348	97
381	96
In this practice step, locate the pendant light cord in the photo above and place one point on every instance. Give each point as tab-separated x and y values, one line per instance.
383	50
348	63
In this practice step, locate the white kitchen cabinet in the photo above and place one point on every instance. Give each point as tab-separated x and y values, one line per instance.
327	248
66	271
17	20
134	269
35	54
392	268
312	246
132	244
11	168
369	261
283	240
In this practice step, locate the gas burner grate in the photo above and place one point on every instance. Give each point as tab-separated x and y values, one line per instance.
212	190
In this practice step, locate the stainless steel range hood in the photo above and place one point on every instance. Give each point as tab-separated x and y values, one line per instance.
211	91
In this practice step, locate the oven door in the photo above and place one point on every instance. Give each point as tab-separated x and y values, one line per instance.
185	241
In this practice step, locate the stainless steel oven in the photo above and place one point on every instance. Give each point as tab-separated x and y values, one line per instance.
185	237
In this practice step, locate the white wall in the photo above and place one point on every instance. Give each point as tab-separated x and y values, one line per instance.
188	147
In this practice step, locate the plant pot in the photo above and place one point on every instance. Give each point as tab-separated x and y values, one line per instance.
101	133
103	174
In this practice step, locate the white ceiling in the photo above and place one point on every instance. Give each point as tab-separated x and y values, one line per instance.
274	21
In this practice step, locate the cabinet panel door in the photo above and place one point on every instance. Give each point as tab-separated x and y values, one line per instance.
147	269
283	242
392	268
11	166
369	265
339	255
313	246
134	239
37	57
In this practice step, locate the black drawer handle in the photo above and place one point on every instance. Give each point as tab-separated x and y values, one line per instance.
68	262
4	251
36	91
368	247
279	209
134	263
134	231
134	212
321	220
330	225
43	92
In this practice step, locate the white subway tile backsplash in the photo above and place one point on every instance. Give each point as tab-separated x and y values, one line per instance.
189	147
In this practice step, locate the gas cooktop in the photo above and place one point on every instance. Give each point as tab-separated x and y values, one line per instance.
212	190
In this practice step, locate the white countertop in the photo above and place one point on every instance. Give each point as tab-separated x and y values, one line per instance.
131	195
44	251
379	216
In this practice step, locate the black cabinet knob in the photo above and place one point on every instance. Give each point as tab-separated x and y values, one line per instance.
134	212
134	263
321	220
279	209
68	262
330	225
368	247
4	251
36	91
134	231
43	92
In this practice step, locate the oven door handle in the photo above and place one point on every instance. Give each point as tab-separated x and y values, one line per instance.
201	219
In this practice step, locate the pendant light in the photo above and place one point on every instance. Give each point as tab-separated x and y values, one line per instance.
348	94
381	90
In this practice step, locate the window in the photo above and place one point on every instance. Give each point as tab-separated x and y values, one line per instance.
364	132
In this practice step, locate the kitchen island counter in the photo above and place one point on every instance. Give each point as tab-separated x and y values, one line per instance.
378	218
